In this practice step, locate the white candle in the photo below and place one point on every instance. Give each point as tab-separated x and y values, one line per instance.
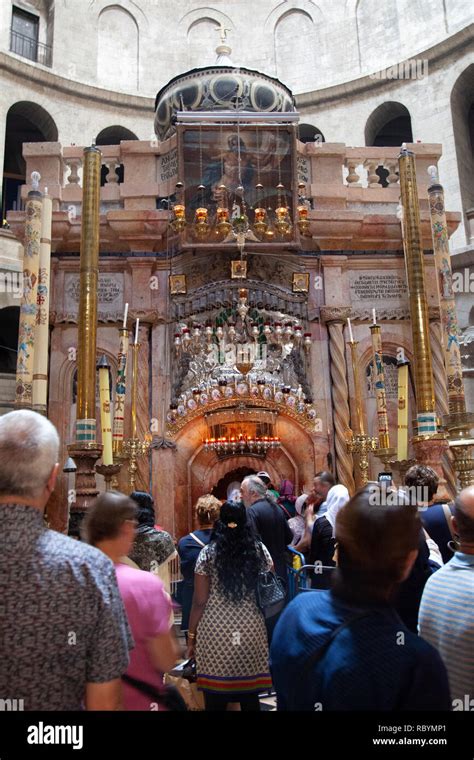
374	318
351	337
125	315
136	331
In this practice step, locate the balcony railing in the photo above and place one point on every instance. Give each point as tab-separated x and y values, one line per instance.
30	48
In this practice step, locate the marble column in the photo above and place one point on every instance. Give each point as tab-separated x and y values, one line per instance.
335	318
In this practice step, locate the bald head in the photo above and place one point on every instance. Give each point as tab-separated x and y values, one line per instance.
464	515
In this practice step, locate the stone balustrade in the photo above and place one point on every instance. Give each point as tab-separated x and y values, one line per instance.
354	191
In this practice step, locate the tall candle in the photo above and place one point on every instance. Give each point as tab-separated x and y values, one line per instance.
360	426
134	388
379	386
402	421
125	315
136	330
120	388
351	337
374	318
104	397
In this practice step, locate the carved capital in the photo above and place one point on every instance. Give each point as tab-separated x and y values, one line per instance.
149	317
335	313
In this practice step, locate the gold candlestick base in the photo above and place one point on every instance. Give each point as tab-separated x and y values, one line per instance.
110	472
362	445
461	444
385	454
401	467
85	456
134	448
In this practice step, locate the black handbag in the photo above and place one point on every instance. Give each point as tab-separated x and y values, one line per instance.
270	592
168	696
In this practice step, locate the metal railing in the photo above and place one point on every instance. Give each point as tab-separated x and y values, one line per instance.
30	48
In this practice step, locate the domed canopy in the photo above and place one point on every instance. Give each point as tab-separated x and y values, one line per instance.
219	88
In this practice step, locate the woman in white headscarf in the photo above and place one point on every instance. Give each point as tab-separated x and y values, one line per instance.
324	529
297	523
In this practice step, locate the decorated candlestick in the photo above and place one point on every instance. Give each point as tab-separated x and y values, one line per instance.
458	422
120	389
379	385
85	450
104	396
359	443
414	262
360	426
28	305
89	280
40	362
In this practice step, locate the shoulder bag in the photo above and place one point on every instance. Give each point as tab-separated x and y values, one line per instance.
270	591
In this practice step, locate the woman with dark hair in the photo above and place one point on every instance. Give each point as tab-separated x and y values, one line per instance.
152	549
110	526
348	648
226	628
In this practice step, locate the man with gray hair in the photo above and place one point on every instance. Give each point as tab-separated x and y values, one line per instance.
267	520
446	618
64	633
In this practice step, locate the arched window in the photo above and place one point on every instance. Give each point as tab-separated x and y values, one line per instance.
295	50
26	122
389	124
309	133
202	42
462	108
118	49
113	136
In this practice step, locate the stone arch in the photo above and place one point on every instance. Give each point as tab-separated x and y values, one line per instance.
308	133
462	111
114	135
118	49
26	122
296	30
300	455
389	124
202	40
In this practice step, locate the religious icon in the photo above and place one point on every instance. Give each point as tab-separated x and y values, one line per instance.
300	282
238	270
177	284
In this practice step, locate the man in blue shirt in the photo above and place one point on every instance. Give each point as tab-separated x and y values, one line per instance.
347	649
447	606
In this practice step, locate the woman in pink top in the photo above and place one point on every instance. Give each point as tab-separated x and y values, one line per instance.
110	526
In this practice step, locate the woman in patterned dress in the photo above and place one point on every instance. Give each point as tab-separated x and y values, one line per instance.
227	633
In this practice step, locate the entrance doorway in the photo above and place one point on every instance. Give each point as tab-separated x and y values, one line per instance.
220	489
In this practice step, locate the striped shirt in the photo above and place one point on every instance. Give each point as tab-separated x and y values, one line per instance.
446	620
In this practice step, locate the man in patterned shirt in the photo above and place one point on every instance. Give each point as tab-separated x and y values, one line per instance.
64	635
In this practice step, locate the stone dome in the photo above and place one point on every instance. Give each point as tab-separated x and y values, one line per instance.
219	88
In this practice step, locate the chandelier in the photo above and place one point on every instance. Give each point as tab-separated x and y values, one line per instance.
228	446
247	329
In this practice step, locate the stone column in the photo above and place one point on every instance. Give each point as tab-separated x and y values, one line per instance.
143	405
335	318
